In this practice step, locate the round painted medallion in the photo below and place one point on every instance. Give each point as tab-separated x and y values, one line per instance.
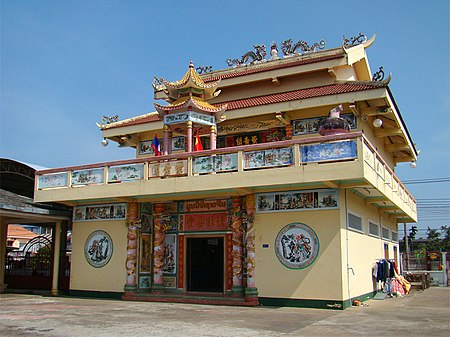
297	246
98	249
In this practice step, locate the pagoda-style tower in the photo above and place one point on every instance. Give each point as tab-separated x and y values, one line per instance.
188	109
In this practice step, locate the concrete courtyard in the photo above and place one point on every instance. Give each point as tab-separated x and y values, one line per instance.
422	313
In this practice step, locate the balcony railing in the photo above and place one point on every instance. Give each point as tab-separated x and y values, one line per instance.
347	147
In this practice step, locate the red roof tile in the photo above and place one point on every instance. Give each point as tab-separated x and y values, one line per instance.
332	89
249	71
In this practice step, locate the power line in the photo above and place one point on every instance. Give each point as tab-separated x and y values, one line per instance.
426	181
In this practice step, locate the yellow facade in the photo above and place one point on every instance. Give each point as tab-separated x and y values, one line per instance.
266	147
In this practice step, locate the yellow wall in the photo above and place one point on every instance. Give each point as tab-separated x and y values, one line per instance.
320	280
112	276
362	249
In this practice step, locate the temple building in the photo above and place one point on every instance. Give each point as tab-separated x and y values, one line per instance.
270	182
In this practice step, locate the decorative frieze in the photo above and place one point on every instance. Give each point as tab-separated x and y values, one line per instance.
122	173
329	151
52	180
269	158
87	177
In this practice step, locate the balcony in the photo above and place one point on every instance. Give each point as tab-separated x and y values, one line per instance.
340	161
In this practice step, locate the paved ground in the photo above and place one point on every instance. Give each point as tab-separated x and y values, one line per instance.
422	313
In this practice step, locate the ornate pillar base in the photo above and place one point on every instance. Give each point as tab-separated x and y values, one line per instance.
237	291
130	289
158	289
251	295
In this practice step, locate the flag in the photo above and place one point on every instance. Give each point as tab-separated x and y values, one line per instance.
156	146
197	143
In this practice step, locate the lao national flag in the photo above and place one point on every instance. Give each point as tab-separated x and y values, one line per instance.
156	146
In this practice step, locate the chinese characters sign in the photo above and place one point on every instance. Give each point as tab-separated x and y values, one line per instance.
204	222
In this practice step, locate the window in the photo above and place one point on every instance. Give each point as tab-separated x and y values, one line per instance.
385	233
354	222
374	229
394	236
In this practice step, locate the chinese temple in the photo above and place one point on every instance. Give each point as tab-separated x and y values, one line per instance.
269	182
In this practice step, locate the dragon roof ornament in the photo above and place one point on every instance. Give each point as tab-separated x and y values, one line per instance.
287	47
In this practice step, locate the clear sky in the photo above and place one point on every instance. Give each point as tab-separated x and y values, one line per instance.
65	64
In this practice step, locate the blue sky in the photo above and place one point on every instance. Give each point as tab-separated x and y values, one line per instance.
65	64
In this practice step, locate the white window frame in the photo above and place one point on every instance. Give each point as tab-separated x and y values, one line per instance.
349	212
388	238
371	222
392	234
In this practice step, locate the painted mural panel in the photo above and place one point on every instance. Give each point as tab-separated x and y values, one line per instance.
146	253
226	162
52	180
170	254
99	212
268	158
203	165
98	249
297	246
178	143
126	172
297	201
311	125
86	177
329	151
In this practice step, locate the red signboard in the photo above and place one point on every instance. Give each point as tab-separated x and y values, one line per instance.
204	222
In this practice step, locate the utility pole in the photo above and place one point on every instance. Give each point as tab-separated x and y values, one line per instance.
406	246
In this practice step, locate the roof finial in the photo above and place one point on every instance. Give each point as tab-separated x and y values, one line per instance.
191	64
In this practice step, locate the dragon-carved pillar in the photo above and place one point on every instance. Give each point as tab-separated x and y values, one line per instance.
238	256
251	292
133	224
158	256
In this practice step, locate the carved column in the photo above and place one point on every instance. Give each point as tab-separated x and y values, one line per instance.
166	147
251	292
238	256
212	137
189	137
133	224
158	254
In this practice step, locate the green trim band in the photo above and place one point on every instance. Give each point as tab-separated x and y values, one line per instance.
310	303
96	294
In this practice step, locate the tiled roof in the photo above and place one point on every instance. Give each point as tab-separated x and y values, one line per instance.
18	232
332	89
326	90
147	118
191	75
186	101
254	70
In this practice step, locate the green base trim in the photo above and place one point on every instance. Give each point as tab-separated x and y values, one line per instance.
311	303
96	294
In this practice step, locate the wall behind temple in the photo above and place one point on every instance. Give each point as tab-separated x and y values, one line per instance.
112	276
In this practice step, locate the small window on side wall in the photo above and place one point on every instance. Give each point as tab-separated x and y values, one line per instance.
385	233
354	222
374	229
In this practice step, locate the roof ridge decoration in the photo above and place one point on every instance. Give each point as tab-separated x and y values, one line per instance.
260	53
357	40
290	50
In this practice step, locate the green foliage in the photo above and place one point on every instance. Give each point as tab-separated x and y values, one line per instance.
438	239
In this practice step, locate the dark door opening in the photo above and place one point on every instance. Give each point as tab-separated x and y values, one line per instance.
205	264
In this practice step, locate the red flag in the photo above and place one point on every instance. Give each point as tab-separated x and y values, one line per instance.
197	143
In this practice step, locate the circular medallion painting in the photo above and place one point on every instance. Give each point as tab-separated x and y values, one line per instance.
297	246
98	249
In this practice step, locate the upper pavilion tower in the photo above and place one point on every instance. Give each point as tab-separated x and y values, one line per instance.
189	109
